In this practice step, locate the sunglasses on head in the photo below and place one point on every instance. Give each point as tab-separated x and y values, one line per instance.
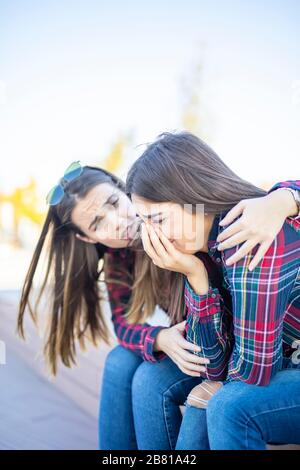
57	192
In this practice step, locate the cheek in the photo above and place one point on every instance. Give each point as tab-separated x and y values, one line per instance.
170	228
183	230
126	208
175	227
108	239
97	237
107	233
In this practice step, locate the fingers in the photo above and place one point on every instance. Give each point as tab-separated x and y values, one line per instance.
147	243
188	367
233	214
188	372
259	255
162	244
184	344
233	229
169	247
192	358
156	243
241	253
180	326
234	240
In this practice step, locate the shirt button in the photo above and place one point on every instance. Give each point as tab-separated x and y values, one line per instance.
213	295
218	260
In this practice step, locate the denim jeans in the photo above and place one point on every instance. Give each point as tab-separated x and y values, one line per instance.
139	407
116	427
242	416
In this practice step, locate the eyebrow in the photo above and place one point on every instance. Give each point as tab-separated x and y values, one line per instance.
97	217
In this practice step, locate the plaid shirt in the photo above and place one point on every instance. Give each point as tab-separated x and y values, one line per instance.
246	333
137	337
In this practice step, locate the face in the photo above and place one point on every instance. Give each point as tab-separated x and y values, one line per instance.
106	215
185	228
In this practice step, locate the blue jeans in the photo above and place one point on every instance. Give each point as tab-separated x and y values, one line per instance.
116	426
242	416
139	407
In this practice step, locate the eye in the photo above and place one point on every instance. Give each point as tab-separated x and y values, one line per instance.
97	224
115	202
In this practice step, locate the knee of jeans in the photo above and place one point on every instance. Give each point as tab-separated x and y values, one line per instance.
223	408
121	363
196	399
143	383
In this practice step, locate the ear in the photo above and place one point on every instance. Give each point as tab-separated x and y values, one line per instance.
85	239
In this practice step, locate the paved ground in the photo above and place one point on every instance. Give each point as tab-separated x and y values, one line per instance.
38	412
34	414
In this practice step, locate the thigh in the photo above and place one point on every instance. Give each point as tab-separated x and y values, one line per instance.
163	378
116	426
157	391
120	366
271	412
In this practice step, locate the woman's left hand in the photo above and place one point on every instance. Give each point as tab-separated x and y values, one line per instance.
260	222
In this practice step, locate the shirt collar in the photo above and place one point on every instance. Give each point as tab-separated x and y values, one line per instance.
213	234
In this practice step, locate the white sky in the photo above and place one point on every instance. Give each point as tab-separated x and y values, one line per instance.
76	75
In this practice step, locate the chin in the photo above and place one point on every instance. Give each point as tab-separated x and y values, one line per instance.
189	252
183	249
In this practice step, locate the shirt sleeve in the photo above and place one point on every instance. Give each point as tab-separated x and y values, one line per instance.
208	326
292	184
139	338
260	298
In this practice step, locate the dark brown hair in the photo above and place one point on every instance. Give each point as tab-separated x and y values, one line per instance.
181	168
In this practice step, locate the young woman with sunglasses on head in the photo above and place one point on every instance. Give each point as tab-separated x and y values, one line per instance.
91	219
245	318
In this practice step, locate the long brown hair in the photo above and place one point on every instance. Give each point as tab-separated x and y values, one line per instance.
72	271
181	168
72	275
155	286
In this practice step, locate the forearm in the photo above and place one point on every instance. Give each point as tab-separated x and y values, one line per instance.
286	199
139	338
205	328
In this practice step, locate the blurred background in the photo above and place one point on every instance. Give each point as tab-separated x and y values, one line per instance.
93	80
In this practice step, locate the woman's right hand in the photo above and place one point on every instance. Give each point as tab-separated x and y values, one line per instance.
171	342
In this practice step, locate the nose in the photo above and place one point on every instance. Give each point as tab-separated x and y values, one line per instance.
116	224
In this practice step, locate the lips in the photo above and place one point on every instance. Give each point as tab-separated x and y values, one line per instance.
129	232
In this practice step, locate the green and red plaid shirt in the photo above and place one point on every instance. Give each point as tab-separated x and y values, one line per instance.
245	334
